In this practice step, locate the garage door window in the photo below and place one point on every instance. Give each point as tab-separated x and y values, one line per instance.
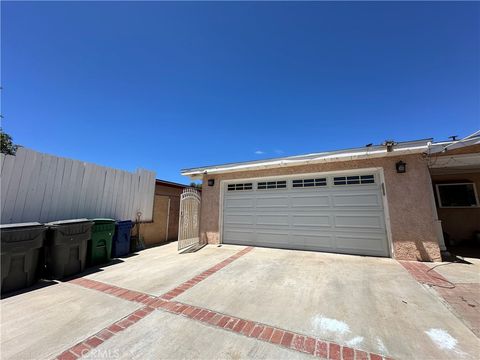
272	185
236	187
354	180
309	182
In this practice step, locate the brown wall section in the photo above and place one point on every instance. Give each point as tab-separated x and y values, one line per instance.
460	224
409	198
165	216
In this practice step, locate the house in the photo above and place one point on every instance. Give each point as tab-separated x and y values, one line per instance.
379	200
166	207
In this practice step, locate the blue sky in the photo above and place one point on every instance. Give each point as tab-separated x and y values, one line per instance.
166	86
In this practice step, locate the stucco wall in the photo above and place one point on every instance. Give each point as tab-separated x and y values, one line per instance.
164	226
409	197
460	224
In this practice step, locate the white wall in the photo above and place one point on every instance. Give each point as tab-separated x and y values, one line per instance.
41	187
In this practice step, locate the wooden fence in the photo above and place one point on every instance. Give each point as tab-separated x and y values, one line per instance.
41	187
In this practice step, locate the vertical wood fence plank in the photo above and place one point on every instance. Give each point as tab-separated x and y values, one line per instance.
7	172
49	188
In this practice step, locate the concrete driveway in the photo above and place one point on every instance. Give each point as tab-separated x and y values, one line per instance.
233	302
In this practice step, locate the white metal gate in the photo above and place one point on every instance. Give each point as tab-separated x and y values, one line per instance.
188	227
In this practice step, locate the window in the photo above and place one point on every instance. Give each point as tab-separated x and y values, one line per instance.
457	195
354	180
309	182
272	185
235	187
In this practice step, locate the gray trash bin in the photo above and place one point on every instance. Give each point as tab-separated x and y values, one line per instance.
66	247
21	254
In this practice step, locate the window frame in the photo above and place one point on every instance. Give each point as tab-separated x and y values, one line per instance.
343	180
314	182
238	184
284	185
439	198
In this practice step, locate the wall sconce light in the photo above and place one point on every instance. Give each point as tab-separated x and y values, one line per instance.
211	182
401	167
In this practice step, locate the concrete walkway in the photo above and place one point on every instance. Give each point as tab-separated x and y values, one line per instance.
232	302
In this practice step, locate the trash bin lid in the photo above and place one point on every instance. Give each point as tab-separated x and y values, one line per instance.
124	222
20	225
103	221
67	222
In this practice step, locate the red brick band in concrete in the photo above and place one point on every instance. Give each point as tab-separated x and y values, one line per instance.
194	281
423	274
119	292
281	337
82	348
462	298
92	342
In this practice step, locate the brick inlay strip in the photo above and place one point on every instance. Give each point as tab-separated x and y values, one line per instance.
424	274
194	281
116	291
85	346
277	336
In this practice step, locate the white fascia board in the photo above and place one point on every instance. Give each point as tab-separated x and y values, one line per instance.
446	146
312	159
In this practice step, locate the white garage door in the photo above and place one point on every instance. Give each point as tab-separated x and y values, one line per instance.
334	213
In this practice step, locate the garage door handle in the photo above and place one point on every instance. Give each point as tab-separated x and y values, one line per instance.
383	189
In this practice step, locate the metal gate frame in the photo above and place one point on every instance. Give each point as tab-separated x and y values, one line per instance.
189	219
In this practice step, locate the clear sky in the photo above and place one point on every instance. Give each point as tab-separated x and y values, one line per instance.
166	86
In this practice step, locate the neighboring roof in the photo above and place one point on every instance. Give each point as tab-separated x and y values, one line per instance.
171	184
400	148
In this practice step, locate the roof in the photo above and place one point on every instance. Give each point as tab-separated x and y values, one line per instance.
400	148
171	184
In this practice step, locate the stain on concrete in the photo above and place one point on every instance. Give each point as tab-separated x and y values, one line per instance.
357	340
322	323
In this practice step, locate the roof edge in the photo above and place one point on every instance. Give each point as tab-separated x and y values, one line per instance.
415	146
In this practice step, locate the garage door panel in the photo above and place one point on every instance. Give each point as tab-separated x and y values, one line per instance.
357	200
311	220
273	219
270	202
310	201
235	219
343	218
239	236
273	239
359	221
370	243
314	241
239	203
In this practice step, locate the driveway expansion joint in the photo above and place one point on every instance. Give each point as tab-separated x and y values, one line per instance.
263	332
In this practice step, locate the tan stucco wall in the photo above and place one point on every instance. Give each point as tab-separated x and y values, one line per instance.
460	224
409	197
164	226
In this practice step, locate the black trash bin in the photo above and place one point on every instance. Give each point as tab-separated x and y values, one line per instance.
21	248
66	247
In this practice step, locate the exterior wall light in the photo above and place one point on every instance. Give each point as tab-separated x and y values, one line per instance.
401	167
211	182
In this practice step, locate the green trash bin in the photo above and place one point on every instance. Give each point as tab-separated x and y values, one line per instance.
21	254
100	245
